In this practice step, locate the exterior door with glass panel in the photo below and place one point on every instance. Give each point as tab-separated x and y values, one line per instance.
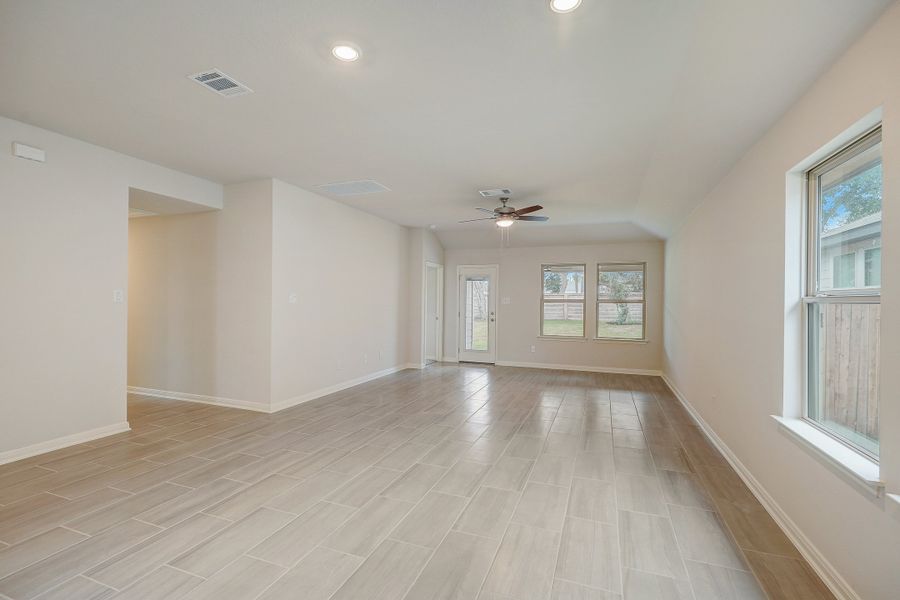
478	313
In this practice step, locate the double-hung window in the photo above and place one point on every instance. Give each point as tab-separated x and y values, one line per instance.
562	301
843	293
620	301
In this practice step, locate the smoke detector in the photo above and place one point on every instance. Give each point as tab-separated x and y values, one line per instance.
495	193
220	83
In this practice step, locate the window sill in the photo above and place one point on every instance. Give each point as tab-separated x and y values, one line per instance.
561	338
893	505
833	454
619	341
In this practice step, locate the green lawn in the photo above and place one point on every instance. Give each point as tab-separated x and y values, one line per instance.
572	328
479	335
628	331
564	327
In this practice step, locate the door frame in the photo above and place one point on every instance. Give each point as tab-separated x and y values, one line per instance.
439	310
496	279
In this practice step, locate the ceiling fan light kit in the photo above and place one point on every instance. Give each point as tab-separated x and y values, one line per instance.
505	215
564	6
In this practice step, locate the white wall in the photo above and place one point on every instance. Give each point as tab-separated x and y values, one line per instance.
518	323
423	247
211	311
200	299
431	312
726	315
63	243
349	270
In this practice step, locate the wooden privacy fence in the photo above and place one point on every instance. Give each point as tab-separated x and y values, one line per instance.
849	353
574	311
564	311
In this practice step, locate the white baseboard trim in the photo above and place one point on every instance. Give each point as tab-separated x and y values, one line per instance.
825	570
338	387
215	400
589	369
275	407
9	456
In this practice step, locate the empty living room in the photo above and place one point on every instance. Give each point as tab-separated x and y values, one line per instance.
449	300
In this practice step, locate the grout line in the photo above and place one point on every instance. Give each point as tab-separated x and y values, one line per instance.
447	401
106	585
700	482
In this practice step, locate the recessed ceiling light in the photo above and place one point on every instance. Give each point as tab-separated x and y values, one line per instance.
345	52
564	6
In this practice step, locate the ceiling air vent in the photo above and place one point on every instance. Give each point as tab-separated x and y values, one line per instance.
220	83
494	193
353	188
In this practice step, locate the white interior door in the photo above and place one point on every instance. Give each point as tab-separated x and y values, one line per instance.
478	313
433	325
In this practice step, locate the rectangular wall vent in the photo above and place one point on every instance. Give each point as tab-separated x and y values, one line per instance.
354	188
220	83
28	152
494	193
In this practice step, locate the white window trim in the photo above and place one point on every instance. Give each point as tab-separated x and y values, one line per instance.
642	302
840	459
583	301
812	294
833	453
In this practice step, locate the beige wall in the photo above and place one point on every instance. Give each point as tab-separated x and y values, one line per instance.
199	308
730	309
63	241
349	272
212	314
518	323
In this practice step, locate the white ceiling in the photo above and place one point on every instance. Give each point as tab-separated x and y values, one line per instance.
624	111
158	204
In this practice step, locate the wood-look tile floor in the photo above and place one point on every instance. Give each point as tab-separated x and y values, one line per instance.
456	482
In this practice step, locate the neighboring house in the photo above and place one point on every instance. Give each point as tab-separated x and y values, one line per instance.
851	254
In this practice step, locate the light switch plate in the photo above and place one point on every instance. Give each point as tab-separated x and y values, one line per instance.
505	300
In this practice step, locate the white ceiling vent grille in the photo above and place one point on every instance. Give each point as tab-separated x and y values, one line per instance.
220	83
494	193
354	188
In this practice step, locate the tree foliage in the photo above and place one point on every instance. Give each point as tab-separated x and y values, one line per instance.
552	283
852	199
621	285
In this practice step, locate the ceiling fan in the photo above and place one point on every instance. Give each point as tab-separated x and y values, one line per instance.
505	215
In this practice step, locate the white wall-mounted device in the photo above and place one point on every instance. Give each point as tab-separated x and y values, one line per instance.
28	152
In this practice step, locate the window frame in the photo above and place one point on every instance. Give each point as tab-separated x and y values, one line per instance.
544	301
812	295
867	252
642	302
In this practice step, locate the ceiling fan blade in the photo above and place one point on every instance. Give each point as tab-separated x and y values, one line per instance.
487	210
529	209
533	219
482	219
